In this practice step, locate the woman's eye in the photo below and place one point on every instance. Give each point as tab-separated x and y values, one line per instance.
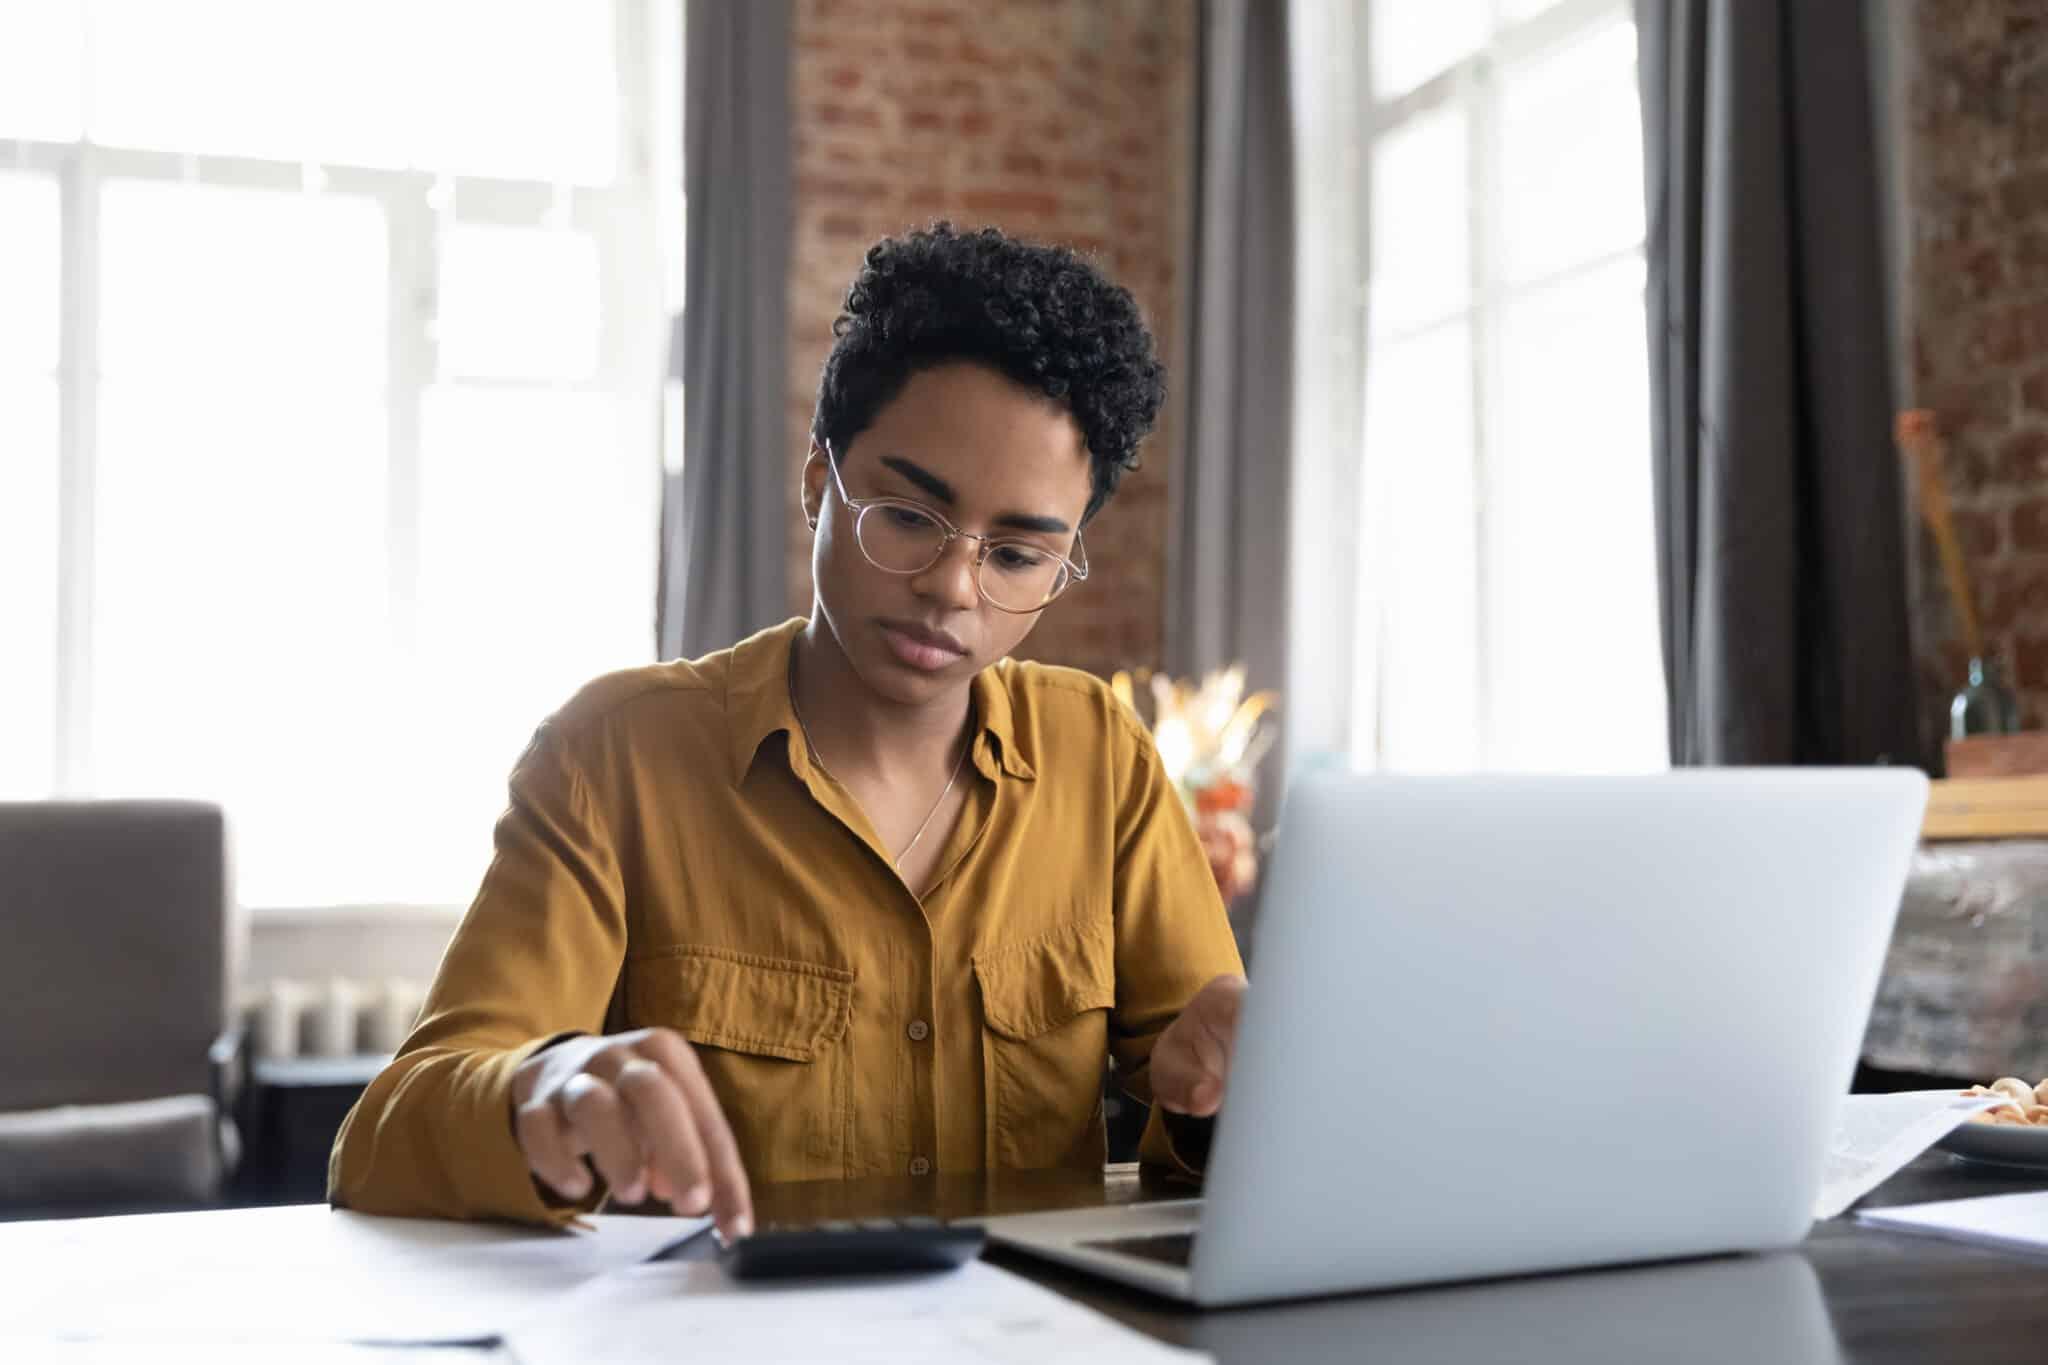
1019	558
909	518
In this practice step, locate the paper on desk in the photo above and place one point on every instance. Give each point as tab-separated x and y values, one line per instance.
691	1310
2012	1222
1877	1135
300	1274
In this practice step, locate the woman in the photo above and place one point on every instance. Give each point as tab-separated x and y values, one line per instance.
859	895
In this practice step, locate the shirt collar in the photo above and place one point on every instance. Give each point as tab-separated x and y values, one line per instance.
757	706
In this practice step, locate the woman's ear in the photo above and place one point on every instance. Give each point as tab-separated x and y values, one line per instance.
812	492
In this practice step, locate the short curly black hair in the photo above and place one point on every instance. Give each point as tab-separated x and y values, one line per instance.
1040	315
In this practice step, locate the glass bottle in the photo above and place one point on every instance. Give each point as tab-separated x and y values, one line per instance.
1985	707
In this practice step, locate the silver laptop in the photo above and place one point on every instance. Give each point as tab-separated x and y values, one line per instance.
1502	1025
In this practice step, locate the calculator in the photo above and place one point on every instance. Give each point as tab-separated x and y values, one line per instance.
853	1246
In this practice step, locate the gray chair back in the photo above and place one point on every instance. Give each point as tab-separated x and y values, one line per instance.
114	923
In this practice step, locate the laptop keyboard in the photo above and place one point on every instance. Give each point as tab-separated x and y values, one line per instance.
1168	1248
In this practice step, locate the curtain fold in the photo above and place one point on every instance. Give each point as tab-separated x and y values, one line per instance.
1781	550
724	519
1226	597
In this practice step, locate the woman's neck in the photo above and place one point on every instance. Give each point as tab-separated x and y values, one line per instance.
859	734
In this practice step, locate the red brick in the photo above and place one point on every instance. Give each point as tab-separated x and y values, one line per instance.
2030	534
2009	336
2030	663
1978	528
843	227
2024	196
2023	460
924	120
2034	394
997	205
2030	259
1968	405
838	190
976	123
836	115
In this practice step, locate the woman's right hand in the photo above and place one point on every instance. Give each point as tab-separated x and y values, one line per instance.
639	1107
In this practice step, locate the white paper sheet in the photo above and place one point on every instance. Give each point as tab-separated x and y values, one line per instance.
42	1351
300	1274
1877	1135
2012	1222
691	1310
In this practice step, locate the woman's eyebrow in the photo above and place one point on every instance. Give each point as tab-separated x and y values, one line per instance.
943	491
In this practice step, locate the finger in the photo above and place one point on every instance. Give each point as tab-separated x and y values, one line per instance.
1205	1098
667	1133
1206	1045
551	1152
599	1121
732	1197
1175	1072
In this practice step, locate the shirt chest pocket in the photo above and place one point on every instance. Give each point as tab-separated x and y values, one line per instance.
770	1033
1045	1046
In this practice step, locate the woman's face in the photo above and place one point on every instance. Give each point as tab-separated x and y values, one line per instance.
989	456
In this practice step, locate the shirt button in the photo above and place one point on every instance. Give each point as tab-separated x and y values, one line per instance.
920	1166
919	1030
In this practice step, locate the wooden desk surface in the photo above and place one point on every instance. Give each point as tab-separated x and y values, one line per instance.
1849	1293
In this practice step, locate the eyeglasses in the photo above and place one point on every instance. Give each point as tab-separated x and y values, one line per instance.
903	537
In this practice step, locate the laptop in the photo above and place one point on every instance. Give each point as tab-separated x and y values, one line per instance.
1506	1025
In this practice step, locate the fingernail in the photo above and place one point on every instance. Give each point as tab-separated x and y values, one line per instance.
742	1226
696	1197
576	1186
633	1193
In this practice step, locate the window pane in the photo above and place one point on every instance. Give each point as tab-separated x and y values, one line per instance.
1578	675
240	639
28	585
1412	40
42	49
241	615
1418	596
332	81
526	90
1421	238
31	271
1571	147
519	303
537	540
267	285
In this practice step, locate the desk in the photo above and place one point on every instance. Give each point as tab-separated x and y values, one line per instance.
1888	1297
1847	1294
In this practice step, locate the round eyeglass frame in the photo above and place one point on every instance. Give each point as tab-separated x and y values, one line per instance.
1072	572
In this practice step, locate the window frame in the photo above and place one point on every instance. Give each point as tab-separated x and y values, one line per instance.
633	220
1473	86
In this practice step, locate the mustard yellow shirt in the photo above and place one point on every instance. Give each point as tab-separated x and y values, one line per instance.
670	857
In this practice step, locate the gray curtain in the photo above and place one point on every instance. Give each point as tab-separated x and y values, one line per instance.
1226	594
725	520
1781	548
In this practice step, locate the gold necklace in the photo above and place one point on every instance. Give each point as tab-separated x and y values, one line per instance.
811	747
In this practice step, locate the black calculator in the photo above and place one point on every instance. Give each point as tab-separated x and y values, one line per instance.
853	1246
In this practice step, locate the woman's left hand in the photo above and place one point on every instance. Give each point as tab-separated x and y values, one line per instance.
1191	1060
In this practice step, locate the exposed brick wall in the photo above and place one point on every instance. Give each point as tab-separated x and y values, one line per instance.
1060	120
1976	162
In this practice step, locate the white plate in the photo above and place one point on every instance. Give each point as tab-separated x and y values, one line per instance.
2000	1144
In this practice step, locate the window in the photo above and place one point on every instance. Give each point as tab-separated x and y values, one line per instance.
330	377
1504	615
